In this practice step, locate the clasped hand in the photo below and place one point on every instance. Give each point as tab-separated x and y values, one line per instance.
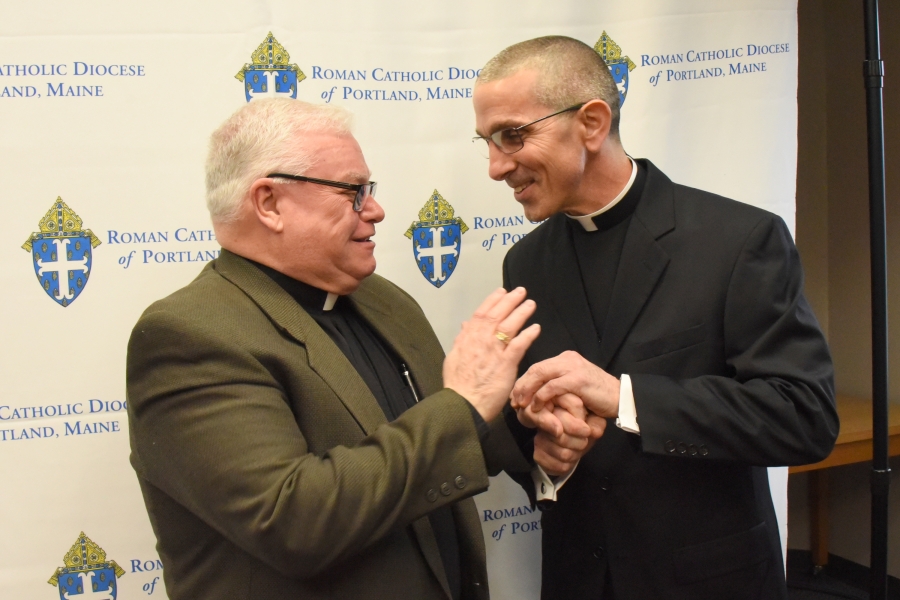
568	400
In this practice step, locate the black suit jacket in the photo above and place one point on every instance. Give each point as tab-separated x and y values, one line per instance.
730	373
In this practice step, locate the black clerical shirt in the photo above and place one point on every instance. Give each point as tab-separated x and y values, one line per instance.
384	374
598	252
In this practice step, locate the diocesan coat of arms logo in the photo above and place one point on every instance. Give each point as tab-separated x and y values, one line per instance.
62	253
270	72
618	65
87	574
437	240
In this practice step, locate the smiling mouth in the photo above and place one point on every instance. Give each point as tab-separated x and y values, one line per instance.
518	189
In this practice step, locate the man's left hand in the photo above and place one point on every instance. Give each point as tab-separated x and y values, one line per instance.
568	373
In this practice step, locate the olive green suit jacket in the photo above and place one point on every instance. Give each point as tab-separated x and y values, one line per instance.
267	466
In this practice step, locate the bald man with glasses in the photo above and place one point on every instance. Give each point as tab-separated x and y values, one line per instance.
676	318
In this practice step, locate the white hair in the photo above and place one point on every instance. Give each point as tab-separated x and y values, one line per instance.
262	137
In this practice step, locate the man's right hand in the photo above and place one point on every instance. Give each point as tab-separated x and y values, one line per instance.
483	363
566	431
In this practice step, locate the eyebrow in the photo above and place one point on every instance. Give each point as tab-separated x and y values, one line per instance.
507	124
356	177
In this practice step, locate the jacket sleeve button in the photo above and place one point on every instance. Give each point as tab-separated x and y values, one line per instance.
431	495
460	482
682	448
445	489
670	446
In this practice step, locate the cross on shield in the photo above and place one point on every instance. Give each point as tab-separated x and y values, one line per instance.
62	266
258	83
437	249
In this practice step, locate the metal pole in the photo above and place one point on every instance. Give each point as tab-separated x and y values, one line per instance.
873	74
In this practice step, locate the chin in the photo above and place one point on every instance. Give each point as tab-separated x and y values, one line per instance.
534	215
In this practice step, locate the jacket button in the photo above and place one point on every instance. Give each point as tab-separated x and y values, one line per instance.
692	450
460	482
605	484
703	450
682	448
598	553
670	446
431	495
445	488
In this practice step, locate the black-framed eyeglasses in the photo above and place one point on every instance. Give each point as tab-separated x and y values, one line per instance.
363	190
510	140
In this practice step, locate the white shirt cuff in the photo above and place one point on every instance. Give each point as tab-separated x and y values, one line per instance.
627	419
544	486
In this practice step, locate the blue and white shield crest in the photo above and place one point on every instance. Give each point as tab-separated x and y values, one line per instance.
273	83
61	253
270	72
619	73
90	584
62	266
437	251
88	575
619	65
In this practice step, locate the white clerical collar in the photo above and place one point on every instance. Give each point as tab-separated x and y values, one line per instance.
330	299
587	221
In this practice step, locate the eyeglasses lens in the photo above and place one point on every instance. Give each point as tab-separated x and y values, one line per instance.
364	192
508	141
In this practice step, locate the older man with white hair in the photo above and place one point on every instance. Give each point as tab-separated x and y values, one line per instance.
295	427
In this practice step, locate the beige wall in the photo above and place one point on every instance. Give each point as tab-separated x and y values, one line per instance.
832	235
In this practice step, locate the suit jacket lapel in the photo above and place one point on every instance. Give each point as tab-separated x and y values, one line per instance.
398	332
566	290
325	358
642	263
404	340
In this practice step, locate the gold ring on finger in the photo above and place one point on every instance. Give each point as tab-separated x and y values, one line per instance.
502	337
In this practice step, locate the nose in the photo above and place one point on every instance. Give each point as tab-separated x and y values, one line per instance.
371	211
501	164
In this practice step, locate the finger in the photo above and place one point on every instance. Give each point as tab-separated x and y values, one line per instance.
539	374
544	420
516	319
506	304
489	302
597	425
496	307
573	404
548	447
571	425
551	465
517	346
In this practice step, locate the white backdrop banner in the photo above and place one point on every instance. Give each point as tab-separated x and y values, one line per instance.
105	112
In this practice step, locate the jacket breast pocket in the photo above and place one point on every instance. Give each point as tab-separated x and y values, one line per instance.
668	343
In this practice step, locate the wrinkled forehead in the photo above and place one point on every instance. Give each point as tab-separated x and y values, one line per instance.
507	102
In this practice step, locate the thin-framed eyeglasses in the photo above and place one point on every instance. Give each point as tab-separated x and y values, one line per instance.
510	140
363	190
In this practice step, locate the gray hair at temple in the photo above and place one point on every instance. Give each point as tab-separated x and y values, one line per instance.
261	138
569	71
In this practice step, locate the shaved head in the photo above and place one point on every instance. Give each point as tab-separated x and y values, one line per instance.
569	72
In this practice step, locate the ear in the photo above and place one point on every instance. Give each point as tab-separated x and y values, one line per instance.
264	198
596	118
